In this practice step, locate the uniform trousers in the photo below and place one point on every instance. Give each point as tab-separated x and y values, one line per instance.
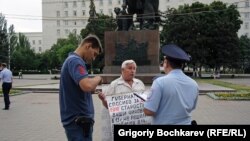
6	90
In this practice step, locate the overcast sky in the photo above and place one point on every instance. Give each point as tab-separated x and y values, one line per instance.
25	15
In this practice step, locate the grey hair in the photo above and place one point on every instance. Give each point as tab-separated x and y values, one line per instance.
126	62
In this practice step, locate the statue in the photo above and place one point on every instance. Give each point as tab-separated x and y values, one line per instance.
124	21
146	11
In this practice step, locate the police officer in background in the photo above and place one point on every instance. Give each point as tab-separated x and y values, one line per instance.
7	78
173	96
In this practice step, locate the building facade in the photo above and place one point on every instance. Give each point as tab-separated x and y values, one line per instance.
62	17
35	40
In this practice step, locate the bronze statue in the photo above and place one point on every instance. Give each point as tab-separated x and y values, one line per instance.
124	21
146	11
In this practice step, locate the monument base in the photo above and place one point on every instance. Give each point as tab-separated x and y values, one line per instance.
142	46
140	69
146	78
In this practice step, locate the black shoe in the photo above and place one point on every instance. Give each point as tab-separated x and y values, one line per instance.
5	108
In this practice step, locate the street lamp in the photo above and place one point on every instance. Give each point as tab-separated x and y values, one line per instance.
9	50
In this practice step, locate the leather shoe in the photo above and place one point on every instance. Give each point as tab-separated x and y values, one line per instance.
5	108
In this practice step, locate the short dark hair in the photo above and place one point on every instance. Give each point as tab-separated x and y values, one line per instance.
4	64
94	40
175	63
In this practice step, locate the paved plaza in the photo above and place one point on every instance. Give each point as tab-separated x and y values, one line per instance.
35	116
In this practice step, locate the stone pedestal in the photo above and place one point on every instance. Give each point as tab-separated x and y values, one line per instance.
142	46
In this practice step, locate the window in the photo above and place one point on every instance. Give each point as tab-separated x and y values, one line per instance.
58	13
84	22
83	12
101	11
66	4
247	34
58	23
40	42
247	15
74	22
74	31
75	13
74	4
110	2
101	3
247	4
83	3
119	2
58	31
66	13
33	42
66	22
40	49
110	12
246	25
236	4
66	31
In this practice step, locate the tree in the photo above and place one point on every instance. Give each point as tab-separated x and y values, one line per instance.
98	24
244	54
207	32
63	47
3	39
13	43
22	55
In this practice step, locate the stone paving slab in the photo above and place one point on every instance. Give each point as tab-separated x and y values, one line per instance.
43	82
35	116
204	88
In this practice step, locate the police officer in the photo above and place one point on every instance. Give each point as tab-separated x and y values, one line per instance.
7	78
173	96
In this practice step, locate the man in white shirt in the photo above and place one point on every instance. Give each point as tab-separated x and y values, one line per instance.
124	84
7	78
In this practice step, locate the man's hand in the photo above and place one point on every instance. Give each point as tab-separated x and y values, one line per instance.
102	97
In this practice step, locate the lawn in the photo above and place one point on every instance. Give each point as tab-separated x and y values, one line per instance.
12	92
242	91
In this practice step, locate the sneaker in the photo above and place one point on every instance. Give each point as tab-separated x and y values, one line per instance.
5	108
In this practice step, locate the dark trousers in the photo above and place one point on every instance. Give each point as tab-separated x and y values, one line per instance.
6	90
75	133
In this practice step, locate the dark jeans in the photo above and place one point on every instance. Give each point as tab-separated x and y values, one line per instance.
6	90
75	133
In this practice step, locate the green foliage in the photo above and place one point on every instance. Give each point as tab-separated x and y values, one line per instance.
233	95
12	92
98	26
207	32
3	39
63	52
244	61
23	57
225	84
230	96
62	48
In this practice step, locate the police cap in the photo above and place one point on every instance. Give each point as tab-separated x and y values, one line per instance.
174	52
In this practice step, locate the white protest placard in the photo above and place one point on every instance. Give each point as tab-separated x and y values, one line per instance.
127	109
